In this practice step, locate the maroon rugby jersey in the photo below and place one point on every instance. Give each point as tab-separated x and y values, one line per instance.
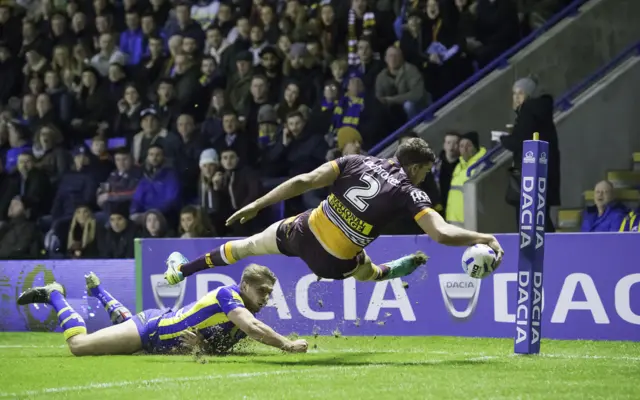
369	193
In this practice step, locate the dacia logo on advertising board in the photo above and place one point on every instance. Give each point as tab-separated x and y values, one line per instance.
529	158
172	293
459	287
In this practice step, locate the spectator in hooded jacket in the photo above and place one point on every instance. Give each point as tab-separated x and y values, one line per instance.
77	186
158	189
118	238
20	238
607	214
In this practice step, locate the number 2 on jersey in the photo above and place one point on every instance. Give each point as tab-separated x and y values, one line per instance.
358	194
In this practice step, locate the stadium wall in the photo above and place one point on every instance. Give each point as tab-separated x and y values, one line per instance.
591	290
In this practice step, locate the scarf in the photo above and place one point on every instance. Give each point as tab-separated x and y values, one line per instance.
328	105
88	233
347	113
368	26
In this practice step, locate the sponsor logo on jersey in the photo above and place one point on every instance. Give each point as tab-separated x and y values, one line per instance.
381	172
418	196
347	216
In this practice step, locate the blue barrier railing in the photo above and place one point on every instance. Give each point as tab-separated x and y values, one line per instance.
498	63
562	104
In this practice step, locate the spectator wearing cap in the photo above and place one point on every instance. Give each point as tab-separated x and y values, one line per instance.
267	126
239	84
187	82
186	159
369	67
93	111
77	186
209	199
11	72
18	142
348	142
107	55
184	25
298	150
233	136
20	238
259	96
122	181
82	235
534	113
51	157
152	134
30	184
158	189
166	105
117	240
401	84
309	79
470	152
607	214
131	40
271	67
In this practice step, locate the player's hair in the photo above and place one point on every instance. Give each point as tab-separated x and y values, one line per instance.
254	274
415	151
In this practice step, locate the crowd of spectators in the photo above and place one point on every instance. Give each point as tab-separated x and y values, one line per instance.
154	118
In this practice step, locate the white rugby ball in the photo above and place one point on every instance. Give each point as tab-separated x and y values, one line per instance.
479	261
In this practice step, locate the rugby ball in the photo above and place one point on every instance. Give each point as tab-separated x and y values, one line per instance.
479	261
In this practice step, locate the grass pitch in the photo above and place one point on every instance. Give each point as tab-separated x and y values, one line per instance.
38	365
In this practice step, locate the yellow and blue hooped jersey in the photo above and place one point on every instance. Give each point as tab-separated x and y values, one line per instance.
208	316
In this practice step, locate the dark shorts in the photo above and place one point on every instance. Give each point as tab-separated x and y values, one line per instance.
147	323
295	239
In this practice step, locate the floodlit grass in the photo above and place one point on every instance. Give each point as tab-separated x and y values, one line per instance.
38	365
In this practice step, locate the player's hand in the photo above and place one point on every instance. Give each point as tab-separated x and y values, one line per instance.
297	346
245	214
191	340
495	245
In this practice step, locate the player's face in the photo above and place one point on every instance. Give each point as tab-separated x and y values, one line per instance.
417	173
256	296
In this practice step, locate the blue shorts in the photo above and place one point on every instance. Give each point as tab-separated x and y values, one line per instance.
147	324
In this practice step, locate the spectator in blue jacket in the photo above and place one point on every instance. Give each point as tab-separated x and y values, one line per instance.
607	214
159	187
77	186
18	140
132	39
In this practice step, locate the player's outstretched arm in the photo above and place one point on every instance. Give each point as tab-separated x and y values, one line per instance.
320	177
444	233
258	330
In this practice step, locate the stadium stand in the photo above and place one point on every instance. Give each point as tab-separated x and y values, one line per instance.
116	115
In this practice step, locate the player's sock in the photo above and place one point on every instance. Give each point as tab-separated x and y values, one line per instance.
70	321
216	258
403	266
117	312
